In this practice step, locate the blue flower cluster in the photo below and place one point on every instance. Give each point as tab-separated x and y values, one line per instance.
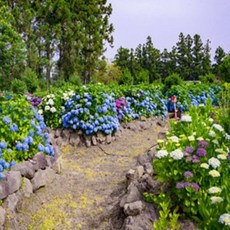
91	113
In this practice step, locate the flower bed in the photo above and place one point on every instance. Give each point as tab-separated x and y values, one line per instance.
194	162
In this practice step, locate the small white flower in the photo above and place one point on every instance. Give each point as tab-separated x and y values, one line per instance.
222	156
53	110
215	141
204	165
47	108
211	120
191	138
218	127
227	136
214	173
214	162
177	154
225	219
161	153
50	102
214	190
174	139
200	138
40	111
216	199
186	118
212	133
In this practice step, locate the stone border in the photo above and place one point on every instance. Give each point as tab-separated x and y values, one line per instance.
25	178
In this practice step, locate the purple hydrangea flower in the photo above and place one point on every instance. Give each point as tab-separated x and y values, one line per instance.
181	185
203	144
189	149
195	186
229	155
201	152
188	174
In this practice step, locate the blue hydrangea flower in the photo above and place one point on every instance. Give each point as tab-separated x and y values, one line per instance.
6	120
3	145
13	128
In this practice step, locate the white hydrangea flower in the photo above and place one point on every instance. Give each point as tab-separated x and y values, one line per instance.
191	138
52	96
225	219
214	173
204	165
219	151
53	110
50	102
222	156
216	199
71	93
174	139
186	118
212	133
227	136
214	162
214	190
162	153
211	120
177	154
218	127
47	108
40	111
200	138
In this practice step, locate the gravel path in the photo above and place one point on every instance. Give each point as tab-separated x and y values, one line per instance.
86	194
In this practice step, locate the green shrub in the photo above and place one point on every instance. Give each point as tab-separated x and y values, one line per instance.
173	79
18	86
142	77
31	80
208	78
75	79
126	78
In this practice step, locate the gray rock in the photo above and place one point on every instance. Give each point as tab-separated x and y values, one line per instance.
50	175
25	168
59	141
139	171
57	164
65	134
148	168
94	140
87	140
108	139
130	175
2	216
100	138
133	209
143	158
39	179
4	189
74	139
153	186
133	194
27	188
14	181
11	202
57	133
39	161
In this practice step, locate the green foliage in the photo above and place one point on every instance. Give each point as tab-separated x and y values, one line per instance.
18	86
173	79
31	80
126	78
19	125
224	111
12	49
75	79
142	77
224	69
208	78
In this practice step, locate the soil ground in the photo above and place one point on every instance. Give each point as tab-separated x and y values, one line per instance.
85	195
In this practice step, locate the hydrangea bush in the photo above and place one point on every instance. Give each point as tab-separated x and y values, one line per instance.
22	132
194	160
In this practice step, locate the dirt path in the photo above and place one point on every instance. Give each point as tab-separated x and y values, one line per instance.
85	195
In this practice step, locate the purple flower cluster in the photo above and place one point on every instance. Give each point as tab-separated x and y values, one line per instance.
35	101
201	152
181	185
203	144
188	151
188	174
120	103
194	159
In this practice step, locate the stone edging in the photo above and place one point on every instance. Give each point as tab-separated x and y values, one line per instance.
25	178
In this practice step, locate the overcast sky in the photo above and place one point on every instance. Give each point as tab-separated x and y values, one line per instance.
163	20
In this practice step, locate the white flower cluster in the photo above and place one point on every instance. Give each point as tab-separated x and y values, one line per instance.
186	118
225	219
216	199
204	165
218	127
161	153
50	104
214	190
177	154
227	136
214	173
68	95
214	162
222	156
174	139
212	133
